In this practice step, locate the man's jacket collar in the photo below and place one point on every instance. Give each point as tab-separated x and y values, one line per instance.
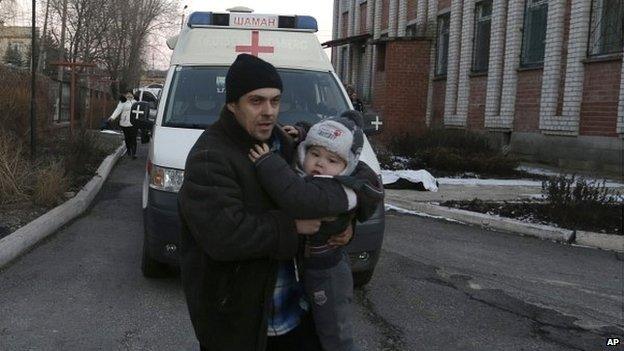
236	132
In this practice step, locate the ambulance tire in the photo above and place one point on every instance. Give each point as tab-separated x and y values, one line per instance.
362	278
152	268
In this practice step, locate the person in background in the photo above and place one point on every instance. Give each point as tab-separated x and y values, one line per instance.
358	105
123	110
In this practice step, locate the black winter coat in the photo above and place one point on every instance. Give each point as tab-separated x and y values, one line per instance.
232	238
312	197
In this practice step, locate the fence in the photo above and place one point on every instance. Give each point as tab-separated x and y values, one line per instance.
91	105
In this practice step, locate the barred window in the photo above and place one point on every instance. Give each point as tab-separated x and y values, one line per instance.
483	21
442	48
605	36
343	62
534	33
381	57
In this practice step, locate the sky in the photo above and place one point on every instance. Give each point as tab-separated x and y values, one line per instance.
320	9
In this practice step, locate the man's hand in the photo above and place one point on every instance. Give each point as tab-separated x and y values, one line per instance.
307	226
292	131
342	238
258	151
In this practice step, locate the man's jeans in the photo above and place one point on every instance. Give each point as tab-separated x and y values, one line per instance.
330	292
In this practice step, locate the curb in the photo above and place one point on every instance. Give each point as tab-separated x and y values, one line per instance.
18	242
594	240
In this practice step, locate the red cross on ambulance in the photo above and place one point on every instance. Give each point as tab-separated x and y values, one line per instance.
255	48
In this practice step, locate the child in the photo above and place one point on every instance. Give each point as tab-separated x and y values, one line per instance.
334	185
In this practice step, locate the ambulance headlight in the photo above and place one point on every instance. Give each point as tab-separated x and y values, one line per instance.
165	179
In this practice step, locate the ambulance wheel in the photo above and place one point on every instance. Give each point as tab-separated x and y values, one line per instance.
362	278
152	268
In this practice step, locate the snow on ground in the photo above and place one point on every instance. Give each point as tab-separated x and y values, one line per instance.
429	181
538	171
106	131
420	176
491	182
551	173
389	207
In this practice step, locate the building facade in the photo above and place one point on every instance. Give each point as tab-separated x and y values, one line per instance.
544	78
16	39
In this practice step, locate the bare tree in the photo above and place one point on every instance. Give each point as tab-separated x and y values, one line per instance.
115	34
7	9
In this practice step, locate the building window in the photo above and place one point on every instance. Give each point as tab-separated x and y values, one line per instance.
483	21
605	36
534	33
381	57
344	59
442	44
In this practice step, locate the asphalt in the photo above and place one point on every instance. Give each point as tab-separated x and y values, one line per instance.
438	286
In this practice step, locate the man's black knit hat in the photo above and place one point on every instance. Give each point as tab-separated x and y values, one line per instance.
249	73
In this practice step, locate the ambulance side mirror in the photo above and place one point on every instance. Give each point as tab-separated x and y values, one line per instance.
373	124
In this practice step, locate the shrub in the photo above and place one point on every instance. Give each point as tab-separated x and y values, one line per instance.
448	152
50	185
578	201
83	154
464	141
14	170
15	102
450	160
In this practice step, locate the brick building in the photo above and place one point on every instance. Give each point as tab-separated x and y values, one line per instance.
544	77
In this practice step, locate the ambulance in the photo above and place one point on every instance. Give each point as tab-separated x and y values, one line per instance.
194	93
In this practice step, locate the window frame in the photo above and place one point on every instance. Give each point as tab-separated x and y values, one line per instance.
477	21
344	60
381	57
525	31
593	36
447	17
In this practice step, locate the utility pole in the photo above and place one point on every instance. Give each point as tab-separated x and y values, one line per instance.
182	23
42	45
62	58
33	85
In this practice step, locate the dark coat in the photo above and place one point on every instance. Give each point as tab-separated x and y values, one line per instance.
232	238
312	197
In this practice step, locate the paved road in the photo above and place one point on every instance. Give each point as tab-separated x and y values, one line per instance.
438	286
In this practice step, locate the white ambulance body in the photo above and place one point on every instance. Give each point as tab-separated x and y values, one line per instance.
194	93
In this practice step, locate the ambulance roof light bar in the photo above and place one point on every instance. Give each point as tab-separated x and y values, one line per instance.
203	19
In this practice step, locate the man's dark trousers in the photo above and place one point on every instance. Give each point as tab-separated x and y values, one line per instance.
302	338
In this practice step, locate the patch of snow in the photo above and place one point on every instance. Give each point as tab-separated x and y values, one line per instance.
550	173
389	207
538	171
492	182
420	176
106	131
616	198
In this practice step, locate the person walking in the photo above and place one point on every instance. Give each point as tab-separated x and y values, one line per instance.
123	110
237	249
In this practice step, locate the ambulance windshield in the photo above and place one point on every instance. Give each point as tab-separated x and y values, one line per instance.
198	94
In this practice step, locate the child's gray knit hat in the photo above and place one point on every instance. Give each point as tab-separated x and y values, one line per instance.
342	135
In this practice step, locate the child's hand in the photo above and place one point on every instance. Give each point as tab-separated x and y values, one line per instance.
292	131
342	238
258	151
